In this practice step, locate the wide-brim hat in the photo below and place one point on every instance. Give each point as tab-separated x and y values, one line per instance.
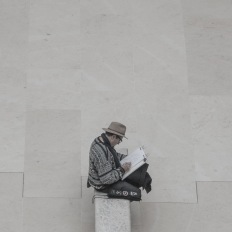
116	128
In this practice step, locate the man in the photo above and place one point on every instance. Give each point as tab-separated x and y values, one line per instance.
104	161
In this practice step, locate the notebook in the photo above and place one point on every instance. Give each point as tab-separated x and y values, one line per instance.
137	159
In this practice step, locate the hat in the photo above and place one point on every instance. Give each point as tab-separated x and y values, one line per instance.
116	128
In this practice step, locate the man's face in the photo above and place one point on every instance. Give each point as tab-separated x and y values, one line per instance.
115	139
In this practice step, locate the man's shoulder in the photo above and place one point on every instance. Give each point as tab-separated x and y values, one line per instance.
96	144
98	150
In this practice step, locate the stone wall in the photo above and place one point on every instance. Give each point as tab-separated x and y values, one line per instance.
69	68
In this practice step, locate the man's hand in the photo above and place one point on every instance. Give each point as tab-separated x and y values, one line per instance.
126	166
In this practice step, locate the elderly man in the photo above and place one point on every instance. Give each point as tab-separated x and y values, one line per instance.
104	161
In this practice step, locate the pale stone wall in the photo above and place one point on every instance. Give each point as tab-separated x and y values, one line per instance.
69	68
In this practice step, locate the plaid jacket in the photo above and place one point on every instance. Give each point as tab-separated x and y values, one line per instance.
102	168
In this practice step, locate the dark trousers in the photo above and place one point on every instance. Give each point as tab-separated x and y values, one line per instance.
120	185
123	189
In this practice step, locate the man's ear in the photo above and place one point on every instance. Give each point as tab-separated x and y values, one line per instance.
114	136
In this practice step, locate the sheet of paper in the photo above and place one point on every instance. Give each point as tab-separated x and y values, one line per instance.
137	159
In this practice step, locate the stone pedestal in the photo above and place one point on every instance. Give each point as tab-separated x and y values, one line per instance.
111	215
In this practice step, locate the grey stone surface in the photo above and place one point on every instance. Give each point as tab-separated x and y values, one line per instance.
87	207
135	228
11	205
11	185
112	215
161	67
159	47
53	131
11	214
52	174
53	41
171	191
51	214
53	89
14	23
212	135
208	35
166	217
211	213
135	214
12	119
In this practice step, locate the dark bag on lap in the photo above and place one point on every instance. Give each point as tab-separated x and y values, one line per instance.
124	190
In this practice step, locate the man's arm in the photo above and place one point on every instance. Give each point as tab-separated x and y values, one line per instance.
106	173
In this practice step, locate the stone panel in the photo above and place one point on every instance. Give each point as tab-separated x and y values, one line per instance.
14	23
11	185
136	221
135	228
171	191
12	117
108	62
11	215
160	75
53	89
87	207
159	47
166	217
208	46
52	174
106	18
53	131
63	22
212	134
52	214
213	213
167	139
54	35
42	55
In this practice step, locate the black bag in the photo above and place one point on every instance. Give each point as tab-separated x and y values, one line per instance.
140	178
124	190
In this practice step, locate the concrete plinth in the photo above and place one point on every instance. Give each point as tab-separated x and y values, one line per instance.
112	215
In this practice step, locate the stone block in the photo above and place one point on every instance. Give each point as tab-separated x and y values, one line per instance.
52	214
53	131
53	89
112	215
52	174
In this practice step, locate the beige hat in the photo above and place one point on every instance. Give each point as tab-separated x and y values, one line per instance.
116	128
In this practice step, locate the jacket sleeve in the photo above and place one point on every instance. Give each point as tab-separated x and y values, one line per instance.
107	174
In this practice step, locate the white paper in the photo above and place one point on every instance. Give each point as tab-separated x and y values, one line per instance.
137	159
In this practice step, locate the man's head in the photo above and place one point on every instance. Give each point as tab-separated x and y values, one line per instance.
114	139
115	133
